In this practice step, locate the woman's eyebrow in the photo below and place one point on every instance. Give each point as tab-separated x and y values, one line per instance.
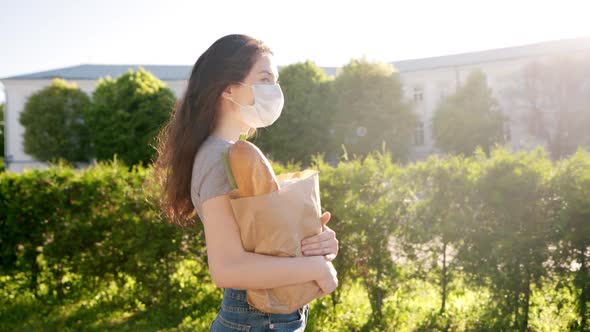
266	72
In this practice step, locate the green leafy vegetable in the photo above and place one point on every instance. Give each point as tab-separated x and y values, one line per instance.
230	175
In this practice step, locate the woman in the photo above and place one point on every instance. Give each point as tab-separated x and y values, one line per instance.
232	90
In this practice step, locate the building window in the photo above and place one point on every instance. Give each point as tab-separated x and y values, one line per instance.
419	134
418	94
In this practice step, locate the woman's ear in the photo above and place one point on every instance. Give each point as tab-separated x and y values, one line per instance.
227	93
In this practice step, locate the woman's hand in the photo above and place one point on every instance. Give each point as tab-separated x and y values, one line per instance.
329	282
324	243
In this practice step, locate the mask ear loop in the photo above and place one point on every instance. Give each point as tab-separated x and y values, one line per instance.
251	87
232	99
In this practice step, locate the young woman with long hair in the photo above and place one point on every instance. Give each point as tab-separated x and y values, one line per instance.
232	89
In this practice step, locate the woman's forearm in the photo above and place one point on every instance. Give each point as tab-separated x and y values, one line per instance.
257	271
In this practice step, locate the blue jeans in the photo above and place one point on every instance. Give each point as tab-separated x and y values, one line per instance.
237	314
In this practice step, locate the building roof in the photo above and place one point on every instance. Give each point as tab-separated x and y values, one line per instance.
182	72
95	71
498	54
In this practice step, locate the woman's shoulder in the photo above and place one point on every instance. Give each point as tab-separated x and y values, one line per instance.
209	156
210	151
209	177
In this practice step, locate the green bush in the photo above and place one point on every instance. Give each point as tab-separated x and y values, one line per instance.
501	240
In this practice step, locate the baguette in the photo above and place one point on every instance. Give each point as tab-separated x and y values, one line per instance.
251	170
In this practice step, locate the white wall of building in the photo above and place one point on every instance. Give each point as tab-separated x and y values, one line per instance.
437	83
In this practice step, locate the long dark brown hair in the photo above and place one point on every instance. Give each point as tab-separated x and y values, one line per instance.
227	61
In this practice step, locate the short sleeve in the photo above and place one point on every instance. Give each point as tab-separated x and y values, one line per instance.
215	182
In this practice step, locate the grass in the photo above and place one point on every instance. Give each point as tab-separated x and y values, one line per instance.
413	306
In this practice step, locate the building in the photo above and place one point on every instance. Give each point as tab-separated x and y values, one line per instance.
425	81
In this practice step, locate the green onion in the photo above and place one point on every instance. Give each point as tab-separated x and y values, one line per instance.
230	175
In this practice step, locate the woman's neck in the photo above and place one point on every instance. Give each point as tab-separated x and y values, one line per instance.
229	132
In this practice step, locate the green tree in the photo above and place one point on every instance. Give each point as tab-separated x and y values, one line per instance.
469	118
507	242
439	216
367	202
301	130
369	110
53	119
126	114
553	98
572	228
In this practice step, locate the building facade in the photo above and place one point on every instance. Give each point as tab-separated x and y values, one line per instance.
426	82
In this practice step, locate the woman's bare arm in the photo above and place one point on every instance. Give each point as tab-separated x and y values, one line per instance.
231	266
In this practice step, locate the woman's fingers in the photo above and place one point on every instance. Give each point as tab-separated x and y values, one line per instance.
323	236
329	246
330	257
324	243
325	218
317	245
318	252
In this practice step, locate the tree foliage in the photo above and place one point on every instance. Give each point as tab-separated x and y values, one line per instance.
126	114
53	119
469	118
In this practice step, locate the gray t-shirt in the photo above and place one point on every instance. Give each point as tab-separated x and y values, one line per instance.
209	178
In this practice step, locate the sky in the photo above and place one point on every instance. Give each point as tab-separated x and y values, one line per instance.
43	35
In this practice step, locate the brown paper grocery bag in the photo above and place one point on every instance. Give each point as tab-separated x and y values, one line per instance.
274	224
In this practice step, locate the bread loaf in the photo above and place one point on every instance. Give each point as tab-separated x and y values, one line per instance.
251	170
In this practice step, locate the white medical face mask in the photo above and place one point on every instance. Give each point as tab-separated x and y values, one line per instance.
268	104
